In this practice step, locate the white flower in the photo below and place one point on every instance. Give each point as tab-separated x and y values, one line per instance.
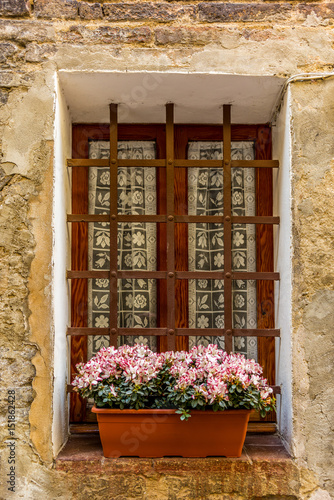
237	198
219	260
138	239
219	321
105	178
137	198
239	342
202	322
102	321
203	178
129	300
239	301
102	283
238	239
128	260
140	301
202	283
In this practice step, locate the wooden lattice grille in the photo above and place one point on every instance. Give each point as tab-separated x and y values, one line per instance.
169	165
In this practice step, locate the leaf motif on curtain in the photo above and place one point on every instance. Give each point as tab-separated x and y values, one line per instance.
206	245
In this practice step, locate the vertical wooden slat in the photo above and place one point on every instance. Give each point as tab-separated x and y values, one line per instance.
181	239
265	257
113	224
170	226
227	227
79	262
161	242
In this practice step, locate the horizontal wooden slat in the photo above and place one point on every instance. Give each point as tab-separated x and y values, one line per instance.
87	163
256	332
177	163
216	219
255	164
143	331
88	218
141	218
142	274
261	428
141	163
238	275
235	275
87	274
72	331
198	163
216	332
260	219
219	332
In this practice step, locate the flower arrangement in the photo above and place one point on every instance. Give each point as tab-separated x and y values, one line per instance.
203	378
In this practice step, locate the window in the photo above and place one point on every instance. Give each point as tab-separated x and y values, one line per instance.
172	239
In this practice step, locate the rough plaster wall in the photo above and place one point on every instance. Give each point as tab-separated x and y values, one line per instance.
313	279
249	38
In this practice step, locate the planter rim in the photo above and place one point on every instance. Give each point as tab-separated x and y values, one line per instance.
164	411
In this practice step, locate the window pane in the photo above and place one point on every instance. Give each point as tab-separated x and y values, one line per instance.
206	244
136	242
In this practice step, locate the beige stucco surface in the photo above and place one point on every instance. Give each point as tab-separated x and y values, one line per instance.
34	49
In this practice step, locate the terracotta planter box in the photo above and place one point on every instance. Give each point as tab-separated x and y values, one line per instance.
159	433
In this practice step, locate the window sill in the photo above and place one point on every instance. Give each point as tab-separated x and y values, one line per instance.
87	448
265	470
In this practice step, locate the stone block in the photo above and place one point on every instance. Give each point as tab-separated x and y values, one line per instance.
36	53
213	12
90	11
50	9
14	8
324	11
161	12
7	49
106	34
186	36
23	32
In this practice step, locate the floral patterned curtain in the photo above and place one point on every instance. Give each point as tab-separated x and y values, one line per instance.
206	245
136	243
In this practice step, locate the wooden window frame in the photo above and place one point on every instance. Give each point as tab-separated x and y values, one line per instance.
171	163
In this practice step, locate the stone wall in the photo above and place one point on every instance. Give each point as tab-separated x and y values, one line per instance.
40	37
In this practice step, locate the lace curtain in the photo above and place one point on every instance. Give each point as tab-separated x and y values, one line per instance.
136	243
206	245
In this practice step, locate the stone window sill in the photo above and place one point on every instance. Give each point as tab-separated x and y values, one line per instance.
86	449
265	470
